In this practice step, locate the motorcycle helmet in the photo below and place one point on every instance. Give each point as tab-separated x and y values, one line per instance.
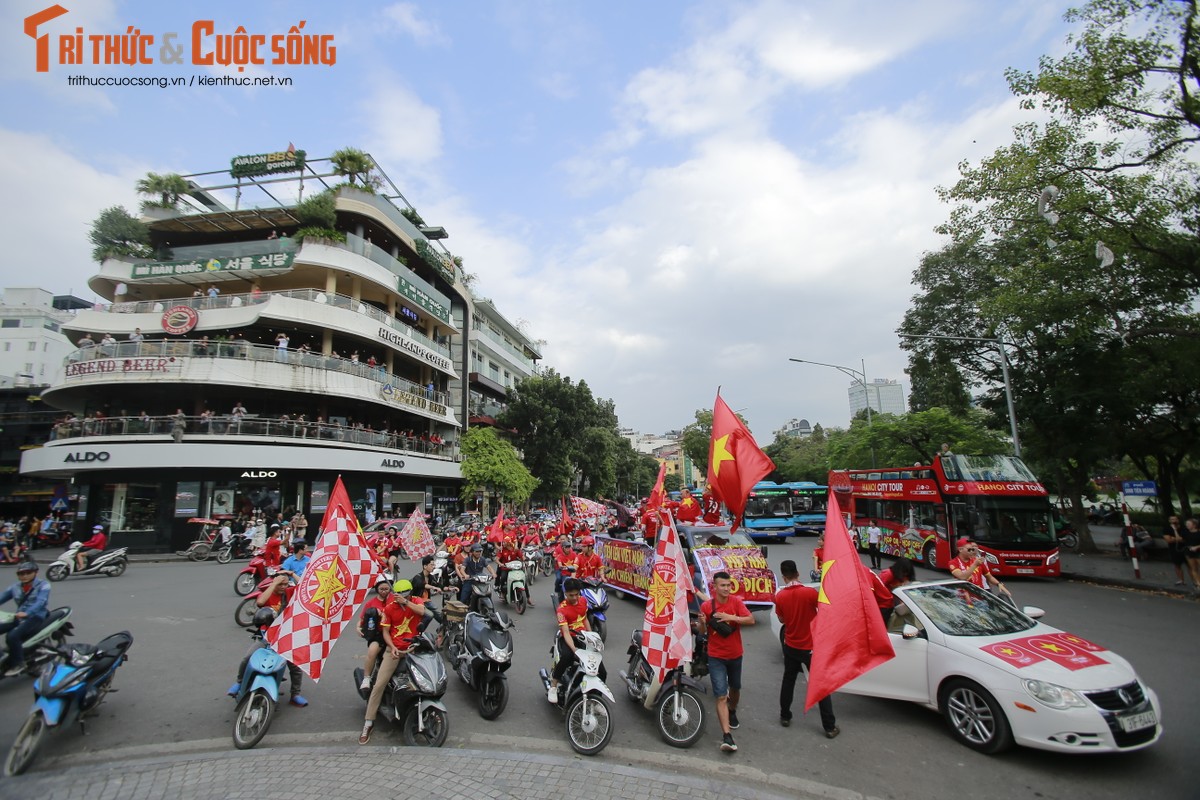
587	541
402	586
263	617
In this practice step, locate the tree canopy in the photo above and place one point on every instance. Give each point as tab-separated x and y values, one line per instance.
118	234
492	466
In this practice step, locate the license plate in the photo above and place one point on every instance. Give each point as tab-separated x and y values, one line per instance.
1135	722
1024	571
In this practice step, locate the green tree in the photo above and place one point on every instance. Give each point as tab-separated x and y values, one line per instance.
672	482
118	234
318	211
167	188
801	458
935	382
492	466
354	164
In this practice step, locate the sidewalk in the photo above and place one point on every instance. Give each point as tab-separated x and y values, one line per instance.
1110	568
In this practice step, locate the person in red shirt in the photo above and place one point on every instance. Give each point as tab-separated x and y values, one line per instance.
588	563
508	553
276	597
572	620
402	618
370	627
531	537
725	651
565	560
92	547
273	549
970	566
689	509
452	544
796	607
818	558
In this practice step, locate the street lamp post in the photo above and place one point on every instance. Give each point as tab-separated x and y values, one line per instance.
858	377
1008	395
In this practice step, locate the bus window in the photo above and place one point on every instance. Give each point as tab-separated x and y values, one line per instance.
950	467
862	508
961	517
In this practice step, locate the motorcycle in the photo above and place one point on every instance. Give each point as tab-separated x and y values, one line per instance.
678	710
238	547
480	599
56	536
597	600
480	651
111	562
251	575
533	558
546	567
257	696
68	689
443	573
581	695
42	645
412	696
515	591
1068	538
243	615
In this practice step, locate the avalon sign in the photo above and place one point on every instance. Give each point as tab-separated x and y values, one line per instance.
290	160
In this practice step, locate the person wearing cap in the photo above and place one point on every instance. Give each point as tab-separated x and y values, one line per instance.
472	565
970	566
32	596
588	563
370	627
401	622
92	547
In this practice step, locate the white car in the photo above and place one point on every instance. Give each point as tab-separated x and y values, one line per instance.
998	675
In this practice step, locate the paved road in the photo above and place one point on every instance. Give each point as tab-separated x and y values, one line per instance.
171	698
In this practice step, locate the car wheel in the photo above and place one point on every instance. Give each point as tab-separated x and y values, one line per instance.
929	555
974	716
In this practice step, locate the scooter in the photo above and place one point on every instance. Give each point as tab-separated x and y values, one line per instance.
480	599
515	591
42	645
597	600
257	696
243	615
251	575
678	710
68	689
582	693
440	575
238	547
480	651
110	562
412	696
533	559
56	536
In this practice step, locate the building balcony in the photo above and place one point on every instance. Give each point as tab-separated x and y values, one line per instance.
502	349
238	363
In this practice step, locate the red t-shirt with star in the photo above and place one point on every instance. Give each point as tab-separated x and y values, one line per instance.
980	576
273	552
573	614
402	621
588	566
725	647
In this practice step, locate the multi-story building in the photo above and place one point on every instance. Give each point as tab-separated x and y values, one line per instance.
254	360
884	395
500	355
32	345
794	429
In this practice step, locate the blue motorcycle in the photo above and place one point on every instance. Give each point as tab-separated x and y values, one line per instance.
597	600
257	695
69	688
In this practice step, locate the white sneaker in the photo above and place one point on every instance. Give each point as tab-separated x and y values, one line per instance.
366	683
552	694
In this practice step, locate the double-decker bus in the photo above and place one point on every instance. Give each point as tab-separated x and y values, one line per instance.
923	511
809	502
768	512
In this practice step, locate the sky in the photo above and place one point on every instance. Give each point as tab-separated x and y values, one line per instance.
676	196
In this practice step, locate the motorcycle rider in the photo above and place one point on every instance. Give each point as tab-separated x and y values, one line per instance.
508	552
572	620
472	565
588	563
92	547
401	622
370	627
32	596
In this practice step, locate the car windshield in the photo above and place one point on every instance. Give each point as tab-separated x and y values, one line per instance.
719	537
768	507
962	609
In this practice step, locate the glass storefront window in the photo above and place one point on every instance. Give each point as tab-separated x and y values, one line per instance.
233	498
128	506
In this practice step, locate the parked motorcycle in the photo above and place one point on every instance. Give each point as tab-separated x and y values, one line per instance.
597	600
257	696
678	709
251	575
412	696
68	689
111	562
57	536
581	695
516	593
41	646
1068	538
480	649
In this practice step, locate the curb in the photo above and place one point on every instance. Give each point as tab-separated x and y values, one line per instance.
1130	583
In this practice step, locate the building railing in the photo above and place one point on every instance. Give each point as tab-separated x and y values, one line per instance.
229	426
244	350
363	247
253	298
498	340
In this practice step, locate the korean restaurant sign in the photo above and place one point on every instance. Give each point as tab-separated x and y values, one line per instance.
170	269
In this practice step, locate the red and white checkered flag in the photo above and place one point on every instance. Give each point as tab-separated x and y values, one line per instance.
666	627
416	538
342	571
587	509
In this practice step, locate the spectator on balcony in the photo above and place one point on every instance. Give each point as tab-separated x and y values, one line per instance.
143	422
256	293
201	348
213	293
206	418
178	425
137	338
235	425
273	234
281	348
429	390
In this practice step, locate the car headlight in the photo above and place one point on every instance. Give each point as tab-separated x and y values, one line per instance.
1054	696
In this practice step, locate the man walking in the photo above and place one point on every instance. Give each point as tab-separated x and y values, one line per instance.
874	534
723	616
796	607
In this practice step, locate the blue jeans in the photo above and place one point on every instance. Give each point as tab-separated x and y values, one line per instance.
726	674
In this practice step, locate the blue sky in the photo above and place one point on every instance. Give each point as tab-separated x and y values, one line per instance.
675	196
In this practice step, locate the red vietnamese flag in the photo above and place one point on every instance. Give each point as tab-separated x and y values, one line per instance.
849	637
735	462
658	494
496	532
341	573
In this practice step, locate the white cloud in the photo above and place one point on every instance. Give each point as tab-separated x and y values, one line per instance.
401	128
406	18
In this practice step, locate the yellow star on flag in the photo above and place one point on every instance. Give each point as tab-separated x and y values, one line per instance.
1008	651
416	536
821	596
662	593
328	585
1053	648
720	453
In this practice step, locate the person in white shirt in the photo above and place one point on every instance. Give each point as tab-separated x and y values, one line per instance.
874	534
